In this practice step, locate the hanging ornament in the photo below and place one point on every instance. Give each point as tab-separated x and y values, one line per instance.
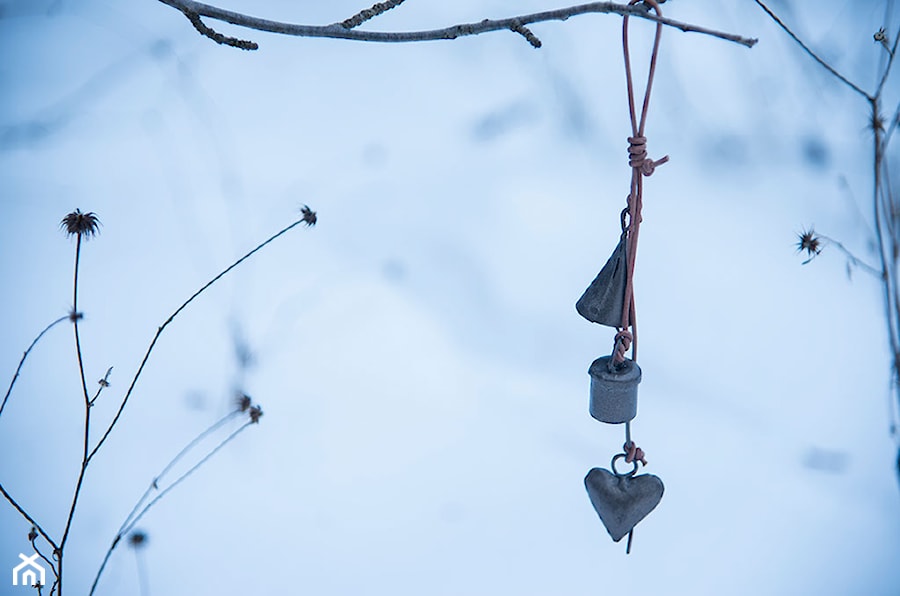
622	499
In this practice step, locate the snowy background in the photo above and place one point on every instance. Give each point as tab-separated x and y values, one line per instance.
417	354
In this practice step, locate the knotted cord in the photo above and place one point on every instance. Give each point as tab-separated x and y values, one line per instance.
641	166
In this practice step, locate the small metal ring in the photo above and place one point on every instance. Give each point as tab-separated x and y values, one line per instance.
616	472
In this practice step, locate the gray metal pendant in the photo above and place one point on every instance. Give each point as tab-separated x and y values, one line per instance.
614	390
622	501
604	300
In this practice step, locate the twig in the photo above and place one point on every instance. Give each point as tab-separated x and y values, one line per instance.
853	258
338	31
30	519
33	538
370	13
187	474
527	34
154	484
217	37
812	54
887	69
24	356
128	527
307	217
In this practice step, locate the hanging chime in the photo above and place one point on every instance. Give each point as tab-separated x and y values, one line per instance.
622	499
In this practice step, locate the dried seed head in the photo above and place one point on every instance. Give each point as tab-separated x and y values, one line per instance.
309	216
80	224
809	242
255	414
243	401
137	539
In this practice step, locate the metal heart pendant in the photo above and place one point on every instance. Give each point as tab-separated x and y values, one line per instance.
622	501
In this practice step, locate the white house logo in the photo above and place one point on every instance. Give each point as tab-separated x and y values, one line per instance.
27	571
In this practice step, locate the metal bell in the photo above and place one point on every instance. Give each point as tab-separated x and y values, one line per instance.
604	300
614	390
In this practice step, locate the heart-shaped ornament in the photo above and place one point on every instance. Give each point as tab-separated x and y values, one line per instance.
622	501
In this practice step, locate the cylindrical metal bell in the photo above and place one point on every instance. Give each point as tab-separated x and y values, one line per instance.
614	394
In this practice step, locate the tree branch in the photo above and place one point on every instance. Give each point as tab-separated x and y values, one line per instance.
370	13
194	10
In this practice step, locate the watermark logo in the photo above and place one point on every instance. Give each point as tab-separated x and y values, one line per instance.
27	571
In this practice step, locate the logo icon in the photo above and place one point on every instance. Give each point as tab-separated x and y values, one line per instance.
27	571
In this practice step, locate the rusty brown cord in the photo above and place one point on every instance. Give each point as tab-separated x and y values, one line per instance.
641	166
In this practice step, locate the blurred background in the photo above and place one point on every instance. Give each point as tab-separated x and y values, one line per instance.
417	354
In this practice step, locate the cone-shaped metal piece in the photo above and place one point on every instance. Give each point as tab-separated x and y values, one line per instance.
622	501
604	299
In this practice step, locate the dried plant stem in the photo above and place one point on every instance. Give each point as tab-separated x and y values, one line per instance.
812	54
30	519
24	356
853	258
193	9
142	572
165	324
136	517
154	484
884	209
87	417
187	474
887	69
48	561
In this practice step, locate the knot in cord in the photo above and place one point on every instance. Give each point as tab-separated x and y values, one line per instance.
633	453
623	343
637	156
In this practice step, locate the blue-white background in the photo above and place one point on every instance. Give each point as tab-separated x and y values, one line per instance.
417	354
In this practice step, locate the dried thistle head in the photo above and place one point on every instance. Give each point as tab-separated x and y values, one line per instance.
243	401
255	414
309	216
80	224
809	242
137	539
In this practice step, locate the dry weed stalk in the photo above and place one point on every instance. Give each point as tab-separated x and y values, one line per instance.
885	207
84	226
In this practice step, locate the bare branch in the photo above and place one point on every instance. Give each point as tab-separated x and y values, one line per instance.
217	37
812	54
339	31
370	13
527	34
